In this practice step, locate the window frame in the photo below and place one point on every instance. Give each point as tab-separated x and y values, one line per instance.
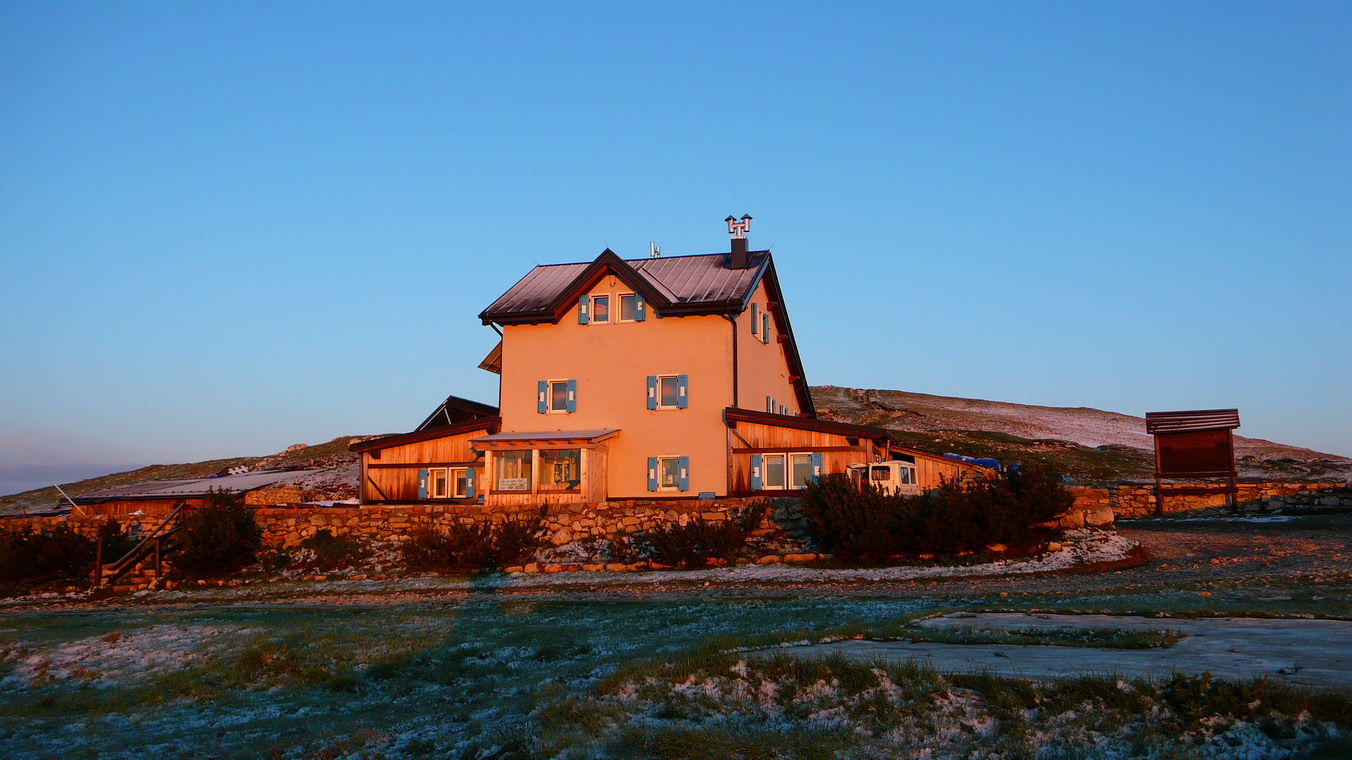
595	320
549	396
438	476
453	483
619	299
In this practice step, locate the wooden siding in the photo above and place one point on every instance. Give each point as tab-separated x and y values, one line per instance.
391	475
749	438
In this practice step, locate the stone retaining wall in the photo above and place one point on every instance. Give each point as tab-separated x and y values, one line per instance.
1138	500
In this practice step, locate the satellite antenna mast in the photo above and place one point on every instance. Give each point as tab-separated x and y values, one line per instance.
654	250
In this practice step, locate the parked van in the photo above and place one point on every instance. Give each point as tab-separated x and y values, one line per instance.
891	477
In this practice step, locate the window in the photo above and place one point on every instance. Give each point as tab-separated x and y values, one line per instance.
668	473
668	391
628	307
600	309
880	473
774	471
555	396
437	483
800	469
784	471
559	470
514	470
460	483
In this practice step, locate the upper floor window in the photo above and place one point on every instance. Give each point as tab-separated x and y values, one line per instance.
556	396
595	309
668	391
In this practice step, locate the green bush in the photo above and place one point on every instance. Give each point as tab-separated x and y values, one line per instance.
331	552
32	557
698	541
472	547
217	538
863	523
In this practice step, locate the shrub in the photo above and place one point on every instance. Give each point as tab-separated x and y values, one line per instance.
699	540
116	540
862	522
331	552
35	557
472	547
218	538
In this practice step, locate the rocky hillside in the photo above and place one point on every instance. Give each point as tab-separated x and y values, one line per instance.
1088	444
340	482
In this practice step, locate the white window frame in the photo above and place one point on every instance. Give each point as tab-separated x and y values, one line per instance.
787	456
432	492
549	396
609	310
452	482
658	390
784	472
619	314
669	458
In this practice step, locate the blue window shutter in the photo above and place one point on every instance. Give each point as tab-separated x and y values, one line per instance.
682	396
683	465
541	399
816	466
422	484
572	396
769	404
583	309
640	308
755	329
652	473
765	328
756	472
469	483
652	391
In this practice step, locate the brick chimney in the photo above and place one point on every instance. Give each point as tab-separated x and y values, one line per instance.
738	228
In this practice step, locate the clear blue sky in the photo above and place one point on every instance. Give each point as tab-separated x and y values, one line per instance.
229	227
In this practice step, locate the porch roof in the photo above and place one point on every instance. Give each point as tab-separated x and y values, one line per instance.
590	436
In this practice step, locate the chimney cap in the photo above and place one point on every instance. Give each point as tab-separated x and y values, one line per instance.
738	229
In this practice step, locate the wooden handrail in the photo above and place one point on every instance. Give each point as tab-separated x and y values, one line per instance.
140	550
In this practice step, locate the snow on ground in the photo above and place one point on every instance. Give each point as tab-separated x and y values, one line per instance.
111	657
1082	548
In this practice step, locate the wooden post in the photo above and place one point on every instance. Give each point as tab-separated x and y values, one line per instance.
157	559
98	562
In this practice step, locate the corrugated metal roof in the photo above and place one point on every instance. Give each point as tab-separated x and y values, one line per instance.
549	435
193	487
683	279
1187	422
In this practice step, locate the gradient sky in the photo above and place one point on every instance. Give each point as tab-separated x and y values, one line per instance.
230	227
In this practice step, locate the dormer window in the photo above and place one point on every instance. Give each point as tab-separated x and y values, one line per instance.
628	307
600	309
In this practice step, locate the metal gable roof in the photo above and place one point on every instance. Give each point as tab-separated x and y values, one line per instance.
697	279
188	488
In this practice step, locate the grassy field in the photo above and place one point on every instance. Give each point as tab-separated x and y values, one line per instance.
493	676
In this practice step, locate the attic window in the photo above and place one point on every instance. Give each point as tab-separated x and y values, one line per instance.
600	309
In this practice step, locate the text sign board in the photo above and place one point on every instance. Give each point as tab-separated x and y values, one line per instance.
1194	453
707	496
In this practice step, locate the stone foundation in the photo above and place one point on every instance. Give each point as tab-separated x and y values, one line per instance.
1138	500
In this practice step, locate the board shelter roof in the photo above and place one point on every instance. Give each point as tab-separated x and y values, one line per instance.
1158	423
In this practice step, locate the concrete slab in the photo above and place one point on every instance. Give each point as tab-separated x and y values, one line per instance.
1307	652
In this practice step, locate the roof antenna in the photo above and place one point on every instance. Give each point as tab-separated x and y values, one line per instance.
654	250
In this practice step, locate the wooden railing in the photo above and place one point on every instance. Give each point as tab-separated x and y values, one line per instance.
152	542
